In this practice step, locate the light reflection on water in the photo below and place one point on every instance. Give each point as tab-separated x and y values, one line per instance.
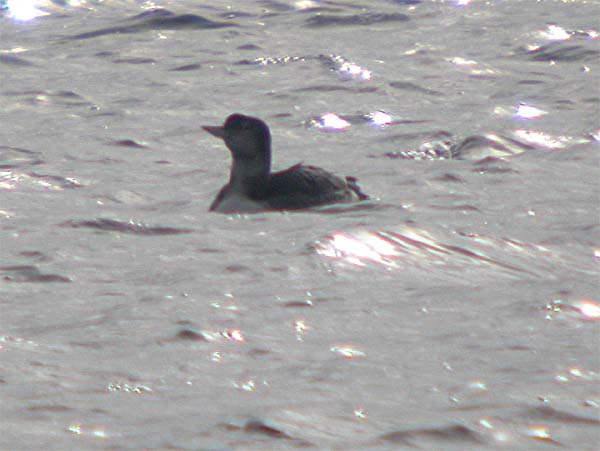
332	122
525	111
578	310
543	139
358	250
24	10
85	430
555	33
589	309
418	248
348	351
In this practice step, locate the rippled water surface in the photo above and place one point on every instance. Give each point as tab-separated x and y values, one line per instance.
459	309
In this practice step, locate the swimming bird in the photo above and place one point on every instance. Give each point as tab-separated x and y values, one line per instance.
253	187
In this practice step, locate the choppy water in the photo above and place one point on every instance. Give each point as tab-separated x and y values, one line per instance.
459	310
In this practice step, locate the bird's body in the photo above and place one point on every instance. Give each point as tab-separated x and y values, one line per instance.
253	188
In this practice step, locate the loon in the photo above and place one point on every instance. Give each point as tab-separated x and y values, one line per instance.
253	187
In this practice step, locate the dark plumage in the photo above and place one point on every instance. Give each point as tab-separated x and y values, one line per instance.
252	187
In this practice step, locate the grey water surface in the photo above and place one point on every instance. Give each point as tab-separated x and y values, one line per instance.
457	309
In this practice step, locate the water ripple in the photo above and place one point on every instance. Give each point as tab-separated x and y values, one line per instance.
430	150
187	67
15	157
345	68
328	20
131	227
562	51
11	180
135	60
456	433
131	143
11	60
62	98
29	274
418	250
409	86
156	19
487	145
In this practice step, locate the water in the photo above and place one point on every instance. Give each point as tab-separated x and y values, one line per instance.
458	310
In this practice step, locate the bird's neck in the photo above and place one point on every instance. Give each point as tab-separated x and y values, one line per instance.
250	176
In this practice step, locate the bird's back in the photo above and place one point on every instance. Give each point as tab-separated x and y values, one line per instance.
304	186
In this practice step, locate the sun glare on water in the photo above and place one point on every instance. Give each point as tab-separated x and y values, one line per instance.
24	10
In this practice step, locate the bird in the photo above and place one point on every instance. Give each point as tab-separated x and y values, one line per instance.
253	188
